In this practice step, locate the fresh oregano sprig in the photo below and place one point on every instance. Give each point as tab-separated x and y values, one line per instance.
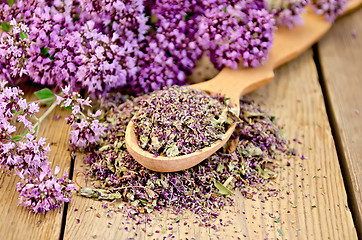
39	189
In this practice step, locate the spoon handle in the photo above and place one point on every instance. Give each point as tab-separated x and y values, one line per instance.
290	43
235	83
287	45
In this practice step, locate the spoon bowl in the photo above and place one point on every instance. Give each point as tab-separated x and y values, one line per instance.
226	82
170	164
288	44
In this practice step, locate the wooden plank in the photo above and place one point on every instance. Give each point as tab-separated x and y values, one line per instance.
16	222
317	202
317	189
312	202
88	219
341	59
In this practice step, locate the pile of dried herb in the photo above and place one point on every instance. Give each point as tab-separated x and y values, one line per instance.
203	189
179	120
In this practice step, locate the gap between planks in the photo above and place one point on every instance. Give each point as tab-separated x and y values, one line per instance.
346	175
340	59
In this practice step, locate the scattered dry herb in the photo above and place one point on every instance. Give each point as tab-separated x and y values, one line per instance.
203	189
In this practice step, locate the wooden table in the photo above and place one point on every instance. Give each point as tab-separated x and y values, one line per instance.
318	99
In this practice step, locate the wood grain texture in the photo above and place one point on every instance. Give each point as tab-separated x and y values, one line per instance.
16	222
341	60
312	203
317	199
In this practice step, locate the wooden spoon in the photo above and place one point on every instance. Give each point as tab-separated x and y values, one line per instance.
288	44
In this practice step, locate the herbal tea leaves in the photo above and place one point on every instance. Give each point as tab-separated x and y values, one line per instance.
205	188
179	120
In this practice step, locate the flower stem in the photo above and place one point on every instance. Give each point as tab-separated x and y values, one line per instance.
50	109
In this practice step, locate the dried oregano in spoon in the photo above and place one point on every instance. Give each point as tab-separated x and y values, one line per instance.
249	159
179	120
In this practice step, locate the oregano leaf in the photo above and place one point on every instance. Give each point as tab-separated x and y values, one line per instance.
17	137
44	51
222	189
6	26
11	2
23	35
45	93
52	56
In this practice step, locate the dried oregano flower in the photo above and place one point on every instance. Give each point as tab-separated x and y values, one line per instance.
248	162
179	120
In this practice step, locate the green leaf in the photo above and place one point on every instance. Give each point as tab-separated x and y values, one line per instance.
45	93
222	189
18	112
277	220
69	107
76	18
6	26
23	35
280	232
52	56
11	2
17	137
44	51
